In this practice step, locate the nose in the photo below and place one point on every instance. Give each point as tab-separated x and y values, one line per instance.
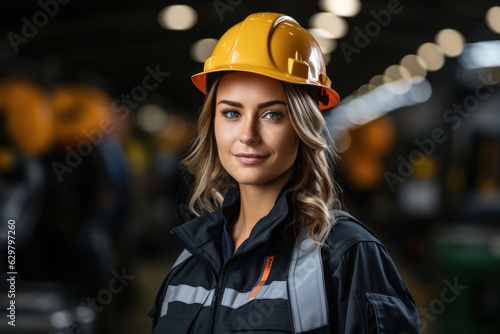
250	132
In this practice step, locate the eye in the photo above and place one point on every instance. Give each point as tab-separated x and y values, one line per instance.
230	113
274	114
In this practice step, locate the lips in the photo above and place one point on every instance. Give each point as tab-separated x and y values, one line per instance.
250	159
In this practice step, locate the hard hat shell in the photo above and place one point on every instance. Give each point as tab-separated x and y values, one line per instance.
273	45
27	109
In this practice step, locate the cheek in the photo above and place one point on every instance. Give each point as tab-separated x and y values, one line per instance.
218	133
294	149
223	139
289	146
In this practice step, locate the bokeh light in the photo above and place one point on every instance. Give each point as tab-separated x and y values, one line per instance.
177	17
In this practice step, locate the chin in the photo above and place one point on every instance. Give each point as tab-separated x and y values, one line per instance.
251	181
260	177
258	180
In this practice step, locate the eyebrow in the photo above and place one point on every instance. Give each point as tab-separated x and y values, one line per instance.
260	105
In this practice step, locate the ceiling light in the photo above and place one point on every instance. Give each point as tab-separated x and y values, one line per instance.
432	55
400	74
177	17
451	42
378	80
326	44
493	19
327	57
342	138
421	91
333	26
396	72
345	8
415	65
364	89
151	118
481	55
354	111
202	49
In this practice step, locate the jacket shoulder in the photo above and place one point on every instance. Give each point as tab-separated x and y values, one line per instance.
346	232
346	226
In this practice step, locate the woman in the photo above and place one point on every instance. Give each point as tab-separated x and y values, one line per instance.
269	251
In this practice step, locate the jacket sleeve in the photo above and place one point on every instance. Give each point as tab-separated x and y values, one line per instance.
365	291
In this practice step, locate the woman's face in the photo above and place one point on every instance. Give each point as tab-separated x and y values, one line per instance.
256	141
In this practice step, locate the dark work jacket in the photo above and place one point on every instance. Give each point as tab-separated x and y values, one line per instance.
264	287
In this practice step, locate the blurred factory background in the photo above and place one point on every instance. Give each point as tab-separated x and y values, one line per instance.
97	107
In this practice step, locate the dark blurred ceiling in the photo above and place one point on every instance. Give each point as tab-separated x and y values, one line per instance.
119	39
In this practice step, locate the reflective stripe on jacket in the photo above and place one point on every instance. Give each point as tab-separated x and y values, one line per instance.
279	283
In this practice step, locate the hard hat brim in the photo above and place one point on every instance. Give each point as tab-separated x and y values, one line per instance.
200	81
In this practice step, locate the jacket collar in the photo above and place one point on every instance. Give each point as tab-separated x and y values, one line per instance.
202	235
267	224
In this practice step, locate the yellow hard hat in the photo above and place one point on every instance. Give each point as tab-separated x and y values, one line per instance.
27	108
79	108
273	45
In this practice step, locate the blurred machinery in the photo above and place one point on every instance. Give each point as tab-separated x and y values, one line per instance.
169	134
439	206
467	246
64	180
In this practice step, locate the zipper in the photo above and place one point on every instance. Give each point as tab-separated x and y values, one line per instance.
218	289
220	285
213	315
215	302
219	281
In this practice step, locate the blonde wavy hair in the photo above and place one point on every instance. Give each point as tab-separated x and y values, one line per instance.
314	193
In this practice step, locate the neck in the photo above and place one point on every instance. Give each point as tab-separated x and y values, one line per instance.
255	203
